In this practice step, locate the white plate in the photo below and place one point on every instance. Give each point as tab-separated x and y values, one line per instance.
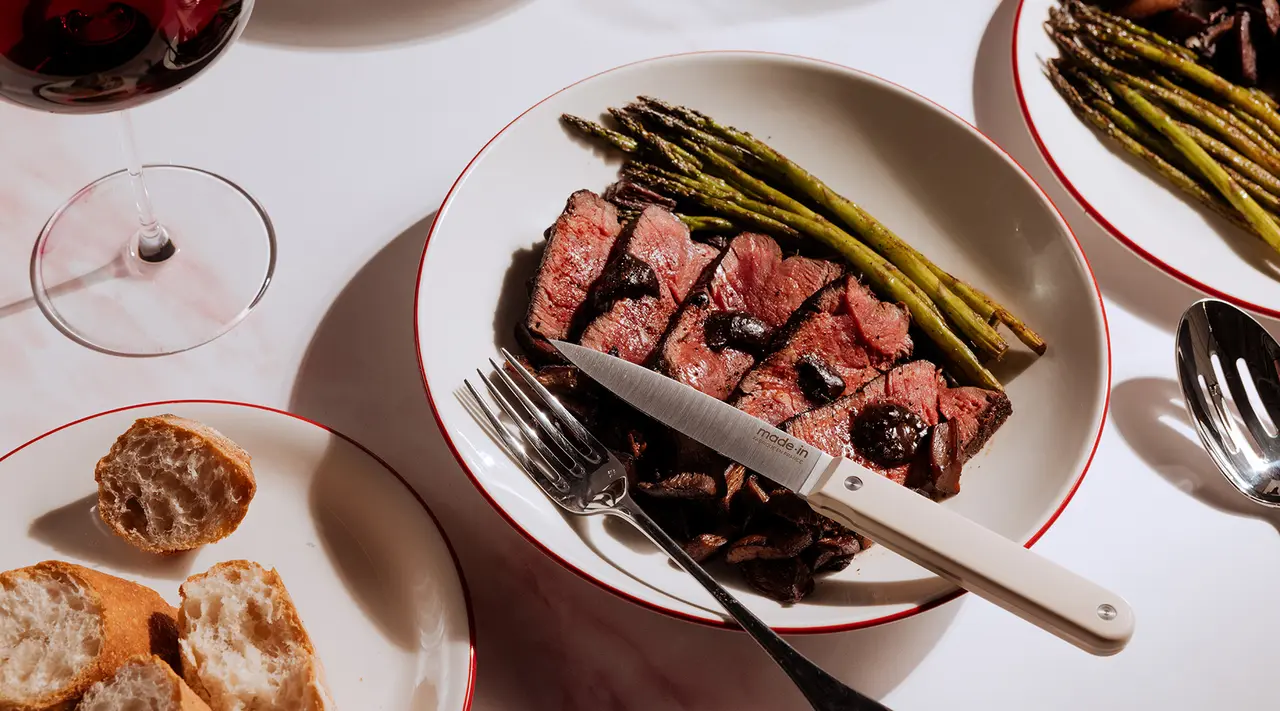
373	576
926	173
1136	205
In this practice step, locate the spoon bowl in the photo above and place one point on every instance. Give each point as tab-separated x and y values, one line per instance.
1217	345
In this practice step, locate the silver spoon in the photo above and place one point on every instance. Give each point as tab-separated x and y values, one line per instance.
1218	343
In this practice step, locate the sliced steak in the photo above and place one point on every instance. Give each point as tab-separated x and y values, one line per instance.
913	387
883	426
976	413
972	416
838	341
646	282
578	247
713	342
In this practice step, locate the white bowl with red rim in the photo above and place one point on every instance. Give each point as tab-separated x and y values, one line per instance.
926	173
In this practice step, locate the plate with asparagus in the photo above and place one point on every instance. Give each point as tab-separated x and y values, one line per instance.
826	250
1146	130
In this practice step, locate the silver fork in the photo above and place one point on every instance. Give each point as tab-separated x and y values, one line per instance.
585	478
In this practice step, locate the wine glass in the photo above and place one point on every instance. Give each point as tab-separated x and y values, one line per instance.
108	270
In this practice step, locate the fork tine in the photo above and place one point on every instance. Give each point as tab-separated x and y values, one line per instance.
529	432
564	416
548	427
538	471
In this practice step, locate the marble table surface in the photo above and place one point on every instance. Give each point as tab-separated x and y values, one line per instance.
349	120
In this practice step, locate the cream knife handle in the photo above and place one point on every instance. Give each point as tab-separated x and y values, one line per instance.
975	558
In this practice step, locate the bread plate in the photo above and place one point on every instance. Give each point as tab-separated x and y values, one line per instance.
1132	203
373	576
924	172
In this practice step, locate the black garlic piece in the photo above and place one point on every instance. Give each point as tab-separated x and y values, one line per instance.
734	329
817	380
625	278
888	435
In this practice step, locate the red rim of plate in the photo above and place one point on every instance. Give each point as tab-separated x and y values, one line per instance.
462	580
1093	212
719	623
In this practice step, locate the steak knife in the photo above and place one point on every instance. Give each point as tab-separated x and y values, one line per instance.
917	528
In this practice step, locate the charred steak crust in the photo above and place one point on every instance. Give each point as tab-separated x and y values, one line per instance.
997	411
728	322
962	421
578	247
913	387
633	324
855	336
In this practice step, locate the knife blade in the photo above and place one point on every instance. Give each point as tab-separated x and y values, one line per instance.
737	435
933	536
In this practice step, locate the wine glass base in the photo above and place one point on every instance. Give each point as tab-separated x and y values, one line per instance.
91	284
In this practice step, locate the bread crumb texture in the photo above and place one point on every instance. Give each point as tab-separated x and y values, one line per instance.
243	646
142	684
50	632
171	484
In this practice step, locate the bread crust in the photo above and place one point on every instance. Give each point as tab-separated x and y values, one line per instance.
181	696
237	459
317	693
135	620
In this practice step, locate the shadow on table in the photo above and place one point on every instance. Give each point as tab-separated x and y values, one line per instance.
542	630
1128	279
1151	416
76	531
351	24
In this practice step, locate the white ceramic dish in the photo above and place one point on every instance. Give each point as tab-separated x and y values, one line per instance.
373	576
923	171
1133	203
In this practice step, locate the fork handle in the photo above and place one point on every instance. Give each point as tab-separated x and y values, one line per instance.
823	691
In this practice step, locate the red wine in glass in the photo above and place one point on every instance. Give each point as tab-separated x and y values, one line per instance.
201	259
86	56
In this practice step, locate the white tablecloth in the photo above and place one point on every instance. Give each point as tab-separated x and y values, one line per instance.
349	119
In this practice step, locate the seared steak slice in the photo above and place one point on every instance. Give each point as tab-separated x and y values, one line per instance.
976	413
578	247
962	420
751	281
972	416
913	387
648	280
845	332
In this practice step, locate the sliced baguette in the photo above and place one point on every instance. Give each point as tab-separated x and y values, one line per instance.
64	627
243	645
142	684
171	484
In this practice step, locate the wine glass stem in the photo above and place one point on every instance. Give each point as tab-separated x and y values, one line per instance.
153	240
